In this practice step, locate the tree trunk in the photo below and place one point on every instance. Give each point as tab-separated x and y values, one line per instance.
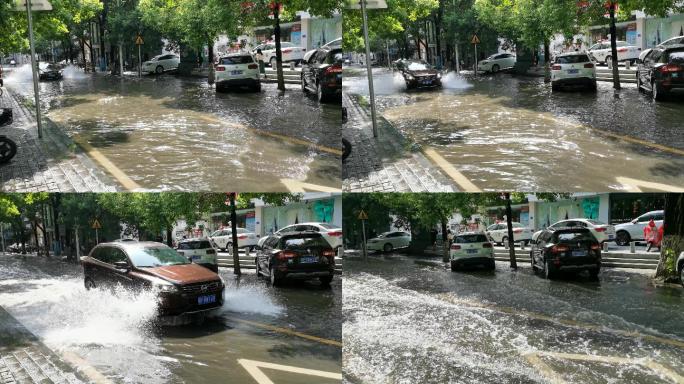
279	53
547	61
233	226
613	46
509	224
210	61
673	240
445	242
438	30
103	24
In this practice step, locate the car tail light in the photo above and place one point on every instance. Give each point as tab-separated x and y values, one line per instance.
455	246
335	233
622	50
588	65
487	245
220	68
556	261
559	248
210	251
252	66
287	50
556	68
284	255
181	253
519	230
242	237
670	68
600	229
596	246
333	70
328	252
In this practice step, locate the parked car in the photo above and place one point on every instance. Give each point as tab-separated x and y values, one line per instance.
290	52
296	255
471	248
661	71
47	71
223	239
567	249
498	233
322	74
237	70
602	52
677	40
680	268
389	241
495	63
183	287
601	231
199	251
337	43
573	69
634	230
420	74
331	233
160	64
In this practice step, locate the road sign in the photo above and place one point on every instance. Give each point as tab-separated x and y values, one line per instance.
475	40
36	5
139	40
363	215
96	224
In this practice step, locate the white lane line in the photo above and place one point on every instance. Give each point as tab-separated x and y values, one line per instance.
253	367
634	185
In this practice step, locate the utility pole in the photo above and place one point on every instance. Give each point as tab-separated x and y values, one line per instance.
509	225
279	53
121	68
371	91
613	45
34	68
233	226
2	234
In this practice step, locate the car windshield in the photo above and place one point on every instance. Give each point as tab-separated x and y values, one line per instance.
418	66
572	59
236	60
492	57
568	237
303	243
474	238
200	244
676	57
155	256
284	44
334	57
328	226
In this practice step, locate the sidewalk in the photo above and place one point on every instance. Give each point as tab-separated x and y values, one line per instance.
24	359
53	164
385	164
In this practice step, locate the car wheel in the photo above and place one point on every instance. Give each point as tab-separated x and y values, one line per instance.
609	59
159	70
681	275
534	266
387	248
326	280
638	81
495	68
304	88
89	284
492	265
504	240
273	62
594	272
454	267
229	248
257	87
656	92
322	97
594	86
554	87
275	279
258	269
547	270
622	238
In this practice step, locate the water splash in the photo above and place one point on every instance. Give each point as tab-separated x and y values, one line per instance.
253	299
74	72
19	75
452	80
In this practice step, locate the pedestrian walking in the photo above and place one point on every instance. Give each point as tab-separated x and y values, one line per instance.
260	60
433	238
651	235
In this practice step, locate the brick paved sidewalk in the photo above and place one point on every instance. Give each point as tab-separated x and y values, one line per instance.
25	360
385	164
51	164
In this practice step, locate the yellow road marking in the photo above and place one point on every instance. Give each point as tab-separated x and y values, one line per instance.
296	186
567	322
633	185
544	369
462	181
289	332
117	173
646	143
253	368
290	139
85	368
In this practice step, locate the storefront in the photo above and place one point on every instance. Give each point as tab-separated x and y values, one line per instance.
325	209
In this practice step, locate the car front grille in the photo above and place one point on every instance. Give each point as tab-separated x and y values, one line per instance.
198	288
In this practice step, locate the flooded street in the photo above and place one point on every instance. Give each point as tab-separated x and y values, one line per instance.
410	320
171	133
513	133
297	325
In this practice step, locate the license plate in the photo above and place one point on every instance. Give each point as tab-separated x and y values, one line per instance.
611	236
471	251
194	258
202	300
236	73
579	253
573	71
675	75
426	82
308	260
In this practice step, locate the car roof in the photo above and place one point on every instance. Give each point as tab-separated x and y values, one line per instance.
573	53
298	233
568	229
234	54
470	233
672	47
132	244
194	239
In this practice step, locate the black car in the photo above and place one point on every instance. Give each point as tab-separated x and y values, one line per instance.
296	255
322	74
661	71
49	72
419	74
566	249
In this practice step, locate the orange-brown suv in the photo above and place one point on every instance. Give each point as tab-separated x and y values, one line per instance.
184	288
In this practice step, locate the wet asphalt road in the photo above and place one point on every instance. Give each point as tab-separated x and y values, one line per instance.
173	133
411	320
514	133
116	332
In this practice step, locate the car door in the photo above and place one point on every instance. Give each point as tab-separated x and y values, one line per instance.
535	252
653	63
636	231
120	276
309	70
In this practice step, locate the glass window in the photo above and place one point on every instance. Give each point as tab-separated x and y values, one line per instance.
676	56
232	60
328	226
155	256
199	244
333	57
644	218
658	216
116	255
302	243
567	237
416	66
572	59
474	238
100	254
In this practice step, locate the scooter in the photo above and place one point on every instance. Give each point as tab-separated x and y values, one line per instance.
8	148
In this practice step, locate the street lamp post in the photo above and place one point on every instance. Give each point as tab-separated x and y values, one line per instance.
371	91
34	70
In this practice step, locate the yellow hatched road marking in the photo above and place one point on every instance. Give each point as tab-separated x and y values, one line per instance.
296	186
462	181
115	171
85	368
289	332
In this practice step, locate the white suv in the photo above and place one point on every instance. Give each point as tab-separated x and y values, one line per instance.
160	64
199	251
389	241
573	69
223	238
237	70
331	233
290	53
471	248
634	230
498	233
602	52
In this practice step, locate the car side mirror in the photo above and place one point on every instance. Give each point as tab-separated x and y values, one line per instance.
634	221
122	265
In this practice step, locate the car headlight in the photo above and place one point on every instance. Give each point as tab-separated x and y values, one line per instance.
168	288
439	75
409	77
